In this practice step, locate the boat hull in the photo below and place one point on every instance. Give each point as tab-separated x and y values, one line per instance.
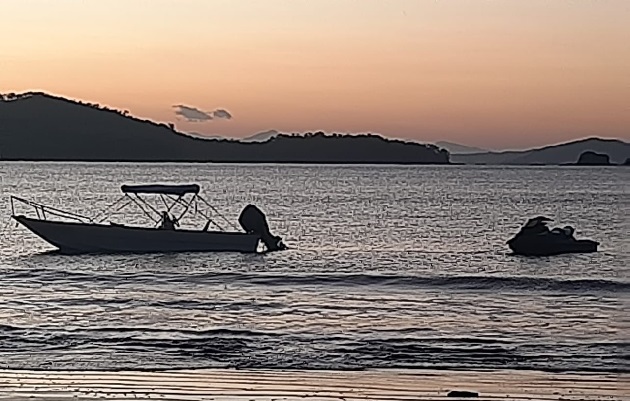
74	238
548	247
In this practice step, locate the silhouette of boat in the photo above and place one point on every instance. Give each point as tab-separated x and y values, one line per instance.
73	233
536	239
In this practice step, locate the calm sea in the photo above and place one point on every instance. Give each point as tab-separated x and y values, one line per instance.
389	267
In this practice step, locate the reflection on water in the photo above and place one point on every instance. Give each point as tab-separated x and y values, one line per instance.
389	267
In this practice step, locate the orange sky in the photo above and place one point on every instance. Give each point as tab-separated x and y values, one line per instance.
507	73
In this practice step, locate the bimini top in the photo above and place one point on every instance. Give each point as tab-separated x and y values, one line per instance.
179	190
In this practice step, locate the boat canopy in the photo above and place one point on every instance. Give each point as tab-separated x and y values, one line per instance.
179	190
172	197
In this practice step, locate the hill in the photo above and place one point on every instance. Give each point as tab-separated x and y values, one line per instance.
566	153
38	126
459	149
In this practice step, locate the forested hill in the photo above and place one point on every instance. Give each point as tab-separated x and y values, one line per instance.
37	126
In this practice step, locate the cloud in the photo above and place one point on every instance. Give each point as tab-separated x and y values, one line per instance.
221	113
192	114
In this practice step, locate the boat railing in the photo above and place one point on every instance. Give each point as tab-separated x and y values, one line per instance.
43	211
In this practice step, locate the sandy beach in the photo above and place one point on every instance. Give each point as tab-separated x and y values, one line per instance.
224	384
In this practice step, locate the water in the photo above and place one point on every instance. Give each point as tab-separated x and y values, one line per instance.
390	267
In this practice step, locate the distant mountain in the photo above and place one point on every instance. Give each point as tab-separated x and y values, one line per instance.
204	136
38	126
458	149
566	153
261	136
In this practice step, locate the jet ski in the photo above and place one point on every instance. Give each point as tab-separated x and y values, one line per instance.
536	239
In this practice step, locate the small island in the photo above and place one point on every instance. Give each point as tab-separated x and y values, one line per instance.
590	158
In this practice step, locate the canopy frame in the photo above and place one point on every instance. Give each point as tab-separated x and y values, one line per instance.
176	194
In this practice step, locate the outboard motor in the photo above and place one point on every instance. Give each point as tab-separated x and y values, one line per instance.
253	220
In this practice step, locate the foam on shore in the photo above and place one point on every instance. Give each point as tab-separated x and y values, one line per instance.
225	384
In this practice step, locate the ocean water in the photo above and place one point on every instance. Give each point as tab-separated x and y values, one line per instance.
389	267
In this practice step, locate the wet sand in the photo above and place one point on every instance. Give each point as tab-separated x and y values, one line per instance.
246	385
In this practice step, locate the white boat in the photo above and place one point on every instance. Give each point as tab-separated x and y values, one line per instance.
72	233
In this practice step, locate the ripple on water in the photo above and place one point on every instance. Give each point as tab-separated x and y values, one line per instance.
390	268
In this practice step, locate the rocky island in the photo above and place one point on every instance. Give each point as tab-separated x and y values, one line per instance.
590	158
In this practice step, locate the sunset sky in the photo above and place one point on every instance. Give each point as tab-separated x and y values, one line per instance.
490	73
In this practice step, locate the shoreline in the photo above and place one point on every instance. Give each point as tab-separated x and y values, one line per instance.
262	384
301	163
263	162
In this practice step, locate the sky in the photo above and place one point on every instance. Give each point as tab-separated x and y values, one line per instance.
490	73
